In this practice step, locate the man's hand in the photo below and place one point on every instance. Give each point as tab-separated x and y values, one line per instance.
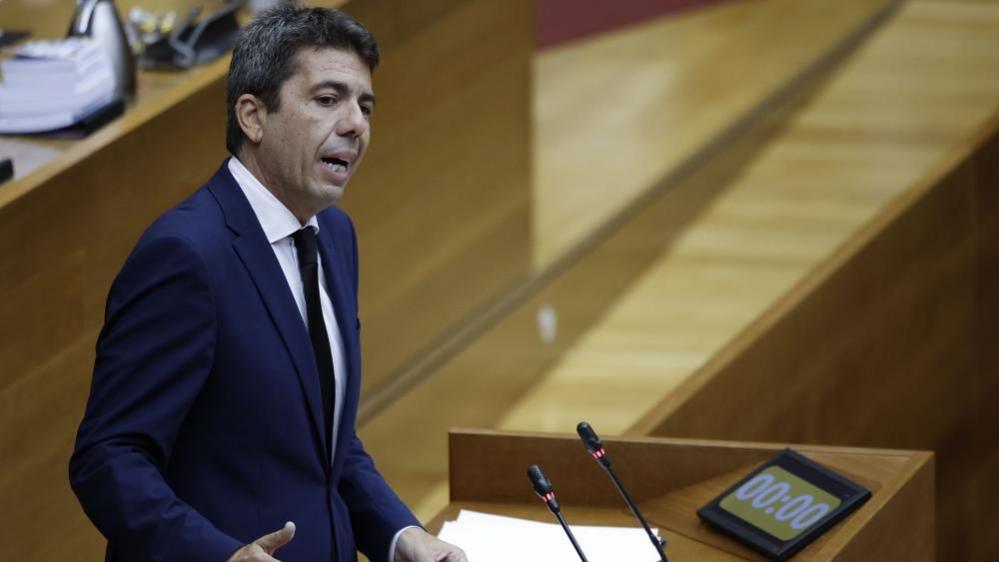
417	545
261	549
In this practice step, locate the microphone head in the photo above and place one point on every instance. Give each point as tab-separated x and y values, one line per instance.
542	486
589	437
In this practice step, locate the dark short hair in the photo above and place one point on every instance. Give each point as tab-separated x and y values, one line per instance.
264	56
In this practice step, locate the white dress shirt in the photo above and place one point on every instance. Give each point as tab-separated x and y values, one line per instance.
279	224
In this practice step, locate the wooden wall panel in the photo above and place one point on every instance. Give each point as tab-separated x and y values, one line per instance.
442	203
39	413
888	344
63	241
906	513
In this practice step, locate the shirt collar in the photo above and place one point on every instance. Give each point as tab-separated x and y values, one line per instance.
276	220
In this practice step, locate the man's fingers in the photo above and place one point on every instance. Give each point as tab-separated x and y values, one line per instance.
458	556
453	554
252	552
277	539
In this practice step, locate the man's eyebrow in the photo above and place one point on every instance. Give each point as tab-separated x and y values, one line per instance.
343	89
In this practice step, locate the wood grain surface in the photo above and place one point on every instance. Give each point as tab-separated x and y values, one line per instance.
888	343
655	95
880	125
442	204
917	95
495	374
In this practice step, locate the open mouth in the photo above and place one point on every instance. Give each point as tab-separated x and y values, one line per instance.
338	165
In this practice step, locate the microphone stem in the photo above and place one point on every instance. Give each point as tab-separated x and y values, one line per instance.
572	538
634	509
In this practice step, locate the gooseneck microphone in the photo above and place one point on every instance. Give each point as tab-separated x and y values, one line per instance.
596	448
543	488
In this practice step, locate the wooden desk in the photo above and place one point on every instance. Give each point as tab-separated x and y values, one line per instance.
671	478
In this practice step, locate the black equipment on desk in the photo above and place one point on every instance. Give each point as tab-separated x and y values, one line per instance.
596	448
6	169
543	488
195	42
785	504
10	36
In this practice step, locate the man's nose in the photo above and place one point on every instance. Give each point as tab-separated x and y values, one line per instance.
353	123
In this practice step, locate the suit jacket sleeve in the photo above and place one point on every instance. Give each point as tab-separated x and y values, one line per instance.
154	355
376	512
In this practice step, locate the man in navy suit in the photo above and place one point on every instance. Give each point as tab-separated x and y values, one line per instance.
221	419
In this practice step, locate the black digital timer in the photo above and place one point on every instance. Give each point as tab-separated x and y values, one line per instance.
784	504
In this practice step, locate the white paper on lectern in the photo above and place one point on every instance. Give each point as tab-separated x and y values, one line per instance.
496	538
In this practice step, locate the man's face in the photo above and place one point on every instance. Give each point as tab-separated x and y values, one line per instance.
314	143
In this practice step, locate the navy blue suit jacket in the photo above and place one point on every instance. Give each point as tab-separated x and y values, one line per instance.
203	430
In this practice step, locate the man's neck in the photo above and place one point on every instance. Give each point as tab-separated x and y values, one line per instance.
252	164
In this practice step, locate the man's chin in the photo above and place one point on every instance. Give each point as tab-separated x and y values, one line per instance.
332	194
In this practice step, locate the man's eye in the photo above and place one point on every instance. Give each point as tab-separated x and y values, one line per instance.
366	109
326	100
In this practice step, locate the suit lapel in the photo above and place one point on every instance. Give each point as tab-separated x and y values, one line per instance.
258	258
338	288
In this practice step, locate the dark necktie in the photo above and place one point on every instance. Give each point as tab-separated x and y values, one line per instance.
308	267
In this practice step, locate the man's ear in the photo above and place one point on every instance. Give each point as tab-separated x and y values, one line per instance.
252	116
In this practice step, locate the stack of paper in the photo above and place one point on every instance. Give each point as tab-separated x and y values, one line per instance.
494	538
49	85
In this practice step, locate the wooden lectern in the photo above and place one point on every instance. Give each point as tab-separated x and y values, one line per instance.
671	478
